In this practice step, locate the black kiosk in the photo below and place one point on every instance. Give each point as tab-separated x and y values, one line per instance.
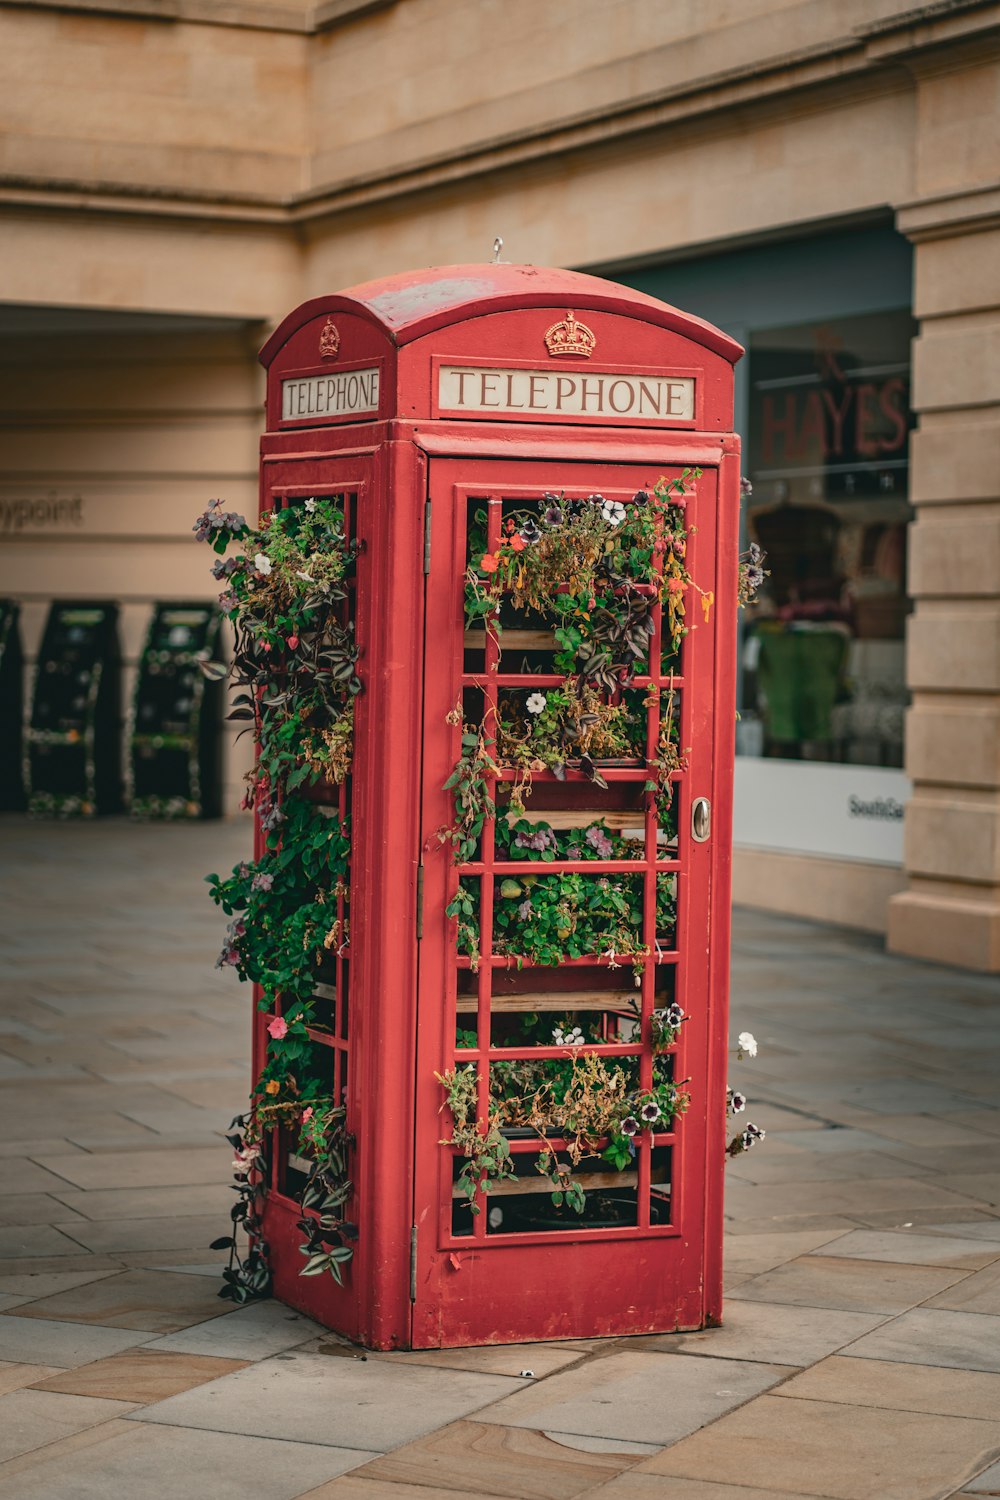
73	761
174	747
11	707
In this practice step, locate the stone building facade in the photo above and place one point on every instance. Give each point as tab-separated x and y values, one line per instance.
822	179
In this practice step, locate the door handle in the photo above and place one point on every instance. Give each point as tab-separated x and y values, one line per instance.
701	820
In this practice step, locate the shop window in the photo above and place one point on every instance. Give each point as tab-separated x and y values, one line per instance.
823	655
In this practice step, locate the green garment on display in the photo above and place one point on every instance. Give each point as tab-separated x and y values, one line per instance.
800	675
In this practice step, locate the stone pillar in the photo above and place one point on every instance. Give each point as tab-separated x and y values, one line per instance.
950	910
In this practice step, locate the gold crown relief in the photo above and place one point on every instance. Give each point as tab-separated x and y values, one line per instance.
329	340
570	337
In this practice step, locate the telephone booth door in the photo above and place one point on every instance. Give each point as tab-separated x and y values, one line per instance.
642	1254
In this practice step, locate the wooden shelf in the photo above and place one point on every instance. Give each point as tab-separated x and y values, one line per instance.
513	640
590	1182
534	1000
574	817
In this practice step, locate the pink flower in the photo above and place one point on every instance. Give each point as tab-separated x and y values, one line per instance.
307	1114
265	645
292	642
278	1028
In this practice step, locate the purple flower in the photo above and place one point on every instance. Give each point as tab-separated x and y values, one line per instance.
674	1015
525	909
737	1101
746	489
641	497
542	838
262	881
554	514
649	1112
599	842
529	531
629	1126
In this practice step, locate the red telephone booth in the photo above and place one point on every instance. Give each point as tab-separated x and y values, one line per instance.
457	413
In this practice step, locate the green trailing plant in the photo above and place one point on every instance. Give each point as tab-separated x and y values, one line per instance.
582	1104
286	593
295	656
544	919
486	1152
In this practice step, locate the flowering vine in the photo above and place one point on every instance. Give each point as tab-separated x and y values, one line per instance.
286	593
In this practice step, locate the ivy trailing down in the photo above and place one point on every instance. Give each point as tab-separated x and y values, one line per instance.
294	665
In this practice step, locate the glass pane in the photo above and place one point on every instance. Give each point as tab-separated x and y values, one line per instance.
823	652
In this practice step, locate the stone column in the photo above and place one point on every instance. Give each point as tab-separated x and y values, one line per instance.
950	910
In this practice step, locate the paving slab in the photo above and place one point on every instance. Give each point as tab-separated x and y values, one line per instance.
31	1419
772	1332
636	1396
133	1299
38	1340
141	1203
125	1461
930	1336
986	1483
917	1249
494	1359
762	1252
471	1458
979	1229
137	1169
21	1242
905	1387
140	1375
35	1285
14	1376
355	1404
635	1486
858	1285
978	1293
181	1233
249	1333
821	1448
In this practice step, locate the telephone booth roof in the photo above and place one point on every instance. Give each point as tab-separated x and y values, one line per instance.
407	306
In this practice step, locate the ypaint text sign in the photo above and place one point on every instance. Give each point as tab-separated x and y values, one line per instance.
602	394
347	393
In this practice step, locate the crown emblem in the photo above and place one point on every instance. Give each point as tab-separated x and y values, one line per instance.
329	340
570	337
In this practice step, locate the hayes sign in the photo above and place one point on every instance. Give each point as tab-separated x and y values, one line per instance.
474	389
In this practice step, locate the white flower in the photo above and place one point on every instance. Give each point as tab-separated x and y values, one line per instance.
310	506
536	703
747	1042
613	512
563	1038
737	1102
262	563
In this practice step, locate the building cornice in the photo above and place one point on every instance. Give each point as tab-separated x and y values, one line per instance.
304	19
874	59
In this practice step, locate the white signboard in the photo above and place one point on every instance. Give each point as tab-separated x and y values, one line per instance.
804	807
346	393
565	393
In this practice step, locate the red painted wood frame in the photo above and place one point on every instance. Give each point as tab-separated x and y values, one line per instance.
493	1288
663	1272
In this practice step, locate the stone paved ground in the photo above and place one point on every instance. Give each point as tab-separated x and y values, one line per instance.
861	1353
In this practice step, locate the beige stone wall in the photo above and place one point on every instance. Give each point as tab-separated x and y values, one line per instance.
116	102
142	430
228	160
